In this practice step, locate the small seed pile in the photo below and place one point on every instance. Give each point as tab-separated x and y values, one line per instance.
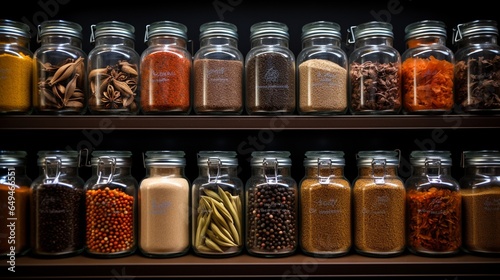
218	225
110	221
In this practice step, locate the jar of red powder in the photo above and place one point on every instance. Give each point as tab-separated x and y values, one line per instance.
165	69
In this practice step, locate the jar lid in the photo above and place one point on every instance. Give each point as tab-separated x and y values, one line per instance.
14	28
482	157
218	28
368	29
66	158
268	28
281	157
165	158
425	28
12	158
59	27
112	28
421	158
474	28
162	28
367	158
321	29
227	158
335	158
121	158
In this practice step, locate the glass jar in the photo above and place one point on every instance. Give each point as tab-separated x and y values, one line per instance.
271	206
434	203
480	188
16	68
325	205
60	69
270	70
374	70
427	69
218	70
111	205
379	205
322	70
164	205
58	205
113	69
14	204
165	69
217	195
477	62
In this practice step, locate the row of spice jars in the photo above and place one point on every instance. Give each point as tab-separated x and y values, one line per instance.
428	78
272	215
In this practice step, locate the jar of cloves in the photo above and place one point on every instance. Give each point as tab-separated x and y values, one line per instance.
60	69
374	85
113	69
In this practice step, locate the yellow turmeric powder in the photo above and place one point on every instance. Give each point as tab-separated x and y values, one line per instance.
15	82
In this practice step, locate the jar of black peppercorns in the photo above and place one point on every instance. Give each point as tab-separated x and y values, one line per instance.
271	205
58	205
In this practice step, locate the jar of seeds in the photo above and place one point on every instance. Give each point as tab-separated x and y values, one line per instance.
270	70
374	70
58	205
113	71
271	205
217	194
60	69
111	205
379	205
14	207
480	188
325	205
434	205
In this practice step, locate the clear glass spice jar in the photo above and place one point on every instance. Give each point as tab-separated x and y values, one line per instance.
270	70
111	204
218	70
14	204
58	205
217	201
16	68
163	205
60	69
480	188
325	205
434	205
379	205
166	69
113	69
427	69
271	206
477	63
374	79
322	70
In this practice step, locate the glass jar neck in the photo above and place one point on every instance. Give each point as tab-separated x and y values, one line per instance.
219	41
175	171
167	40
374	41
321	41
14	40
324	171
108	170
270	41
114	40
213	171
431	170
61	40
270	171
425	41
378	170
477	40
19	170
53	171
483	170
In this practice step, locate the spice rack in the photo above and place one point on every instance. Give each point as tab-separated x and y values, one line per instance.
246	133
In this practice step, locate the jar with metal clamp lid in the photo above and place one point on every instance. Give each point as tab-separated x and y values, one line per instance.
379	204
111	204
113	69
477	63
58	205
325	205
480	188
271	205
60	69
374	70
434	205
217	201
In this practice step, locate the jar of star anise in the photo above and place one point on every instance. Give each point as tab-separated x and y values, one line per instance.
60	78
113	71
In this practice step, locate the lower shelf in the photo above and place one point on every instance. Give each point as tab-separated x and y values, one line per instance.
296	266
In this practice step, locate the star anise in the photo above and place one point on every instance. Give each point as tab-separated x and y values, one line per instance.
111	98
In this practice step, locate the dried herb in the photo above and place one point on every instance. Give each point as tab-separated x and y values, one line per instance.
434	220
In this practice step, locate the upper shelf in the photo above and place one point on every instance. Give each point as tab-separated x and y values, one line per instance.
242	122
